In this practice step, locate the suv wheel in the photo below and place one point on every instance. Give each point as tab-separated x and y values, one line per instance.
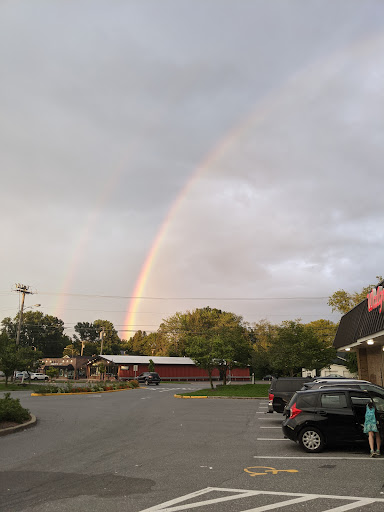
312	439
146	382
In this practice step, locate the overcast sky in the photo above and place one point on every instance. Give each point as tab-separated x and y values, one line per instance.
248	134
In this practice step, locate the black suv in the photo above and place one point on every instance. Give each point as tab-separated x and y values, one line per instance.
281	391
322	416
148	378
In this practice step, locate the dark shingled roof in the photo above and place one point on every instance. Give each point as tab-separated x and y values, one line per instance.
358	323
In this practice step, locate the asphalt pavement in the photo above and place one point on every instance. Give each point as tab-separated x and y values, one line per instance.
144	450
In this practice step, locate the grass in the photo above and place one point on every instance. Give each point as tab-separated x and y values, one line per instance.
245	390
17	386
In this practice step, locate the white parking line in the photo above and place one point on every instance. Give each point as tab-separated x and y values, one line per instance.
271	427
271	439
290	498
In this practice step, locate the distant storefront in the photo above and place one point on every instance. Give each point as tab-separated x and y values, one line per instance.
169	368
68	367
361	330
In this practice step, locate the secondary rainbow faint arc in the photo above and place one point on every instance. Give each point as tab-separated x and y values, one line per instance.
262	108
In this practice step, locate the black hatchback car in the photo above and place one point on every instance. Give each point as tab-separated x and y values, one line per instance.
148	378
324	416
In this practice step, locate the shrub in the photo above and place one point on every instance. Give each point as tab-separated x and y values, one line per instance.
11	410
134	383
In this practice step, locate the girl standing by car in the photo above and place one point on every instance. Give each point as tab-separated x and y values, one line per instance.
370	428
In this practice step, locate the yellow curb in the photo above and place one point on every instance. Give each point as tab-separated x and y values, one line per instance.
81	392
180	396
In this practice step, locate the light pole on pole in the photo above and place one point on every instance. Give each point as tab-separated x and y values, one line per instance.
24	290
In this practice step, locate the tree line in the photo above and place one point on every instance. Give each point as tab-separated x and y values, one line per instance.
211	337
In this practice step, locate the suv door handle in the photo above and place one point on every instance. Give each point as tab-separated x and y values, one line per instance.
322	413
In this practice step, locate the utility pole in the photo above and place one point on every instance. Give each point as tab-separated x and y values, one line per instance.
24	290
102	333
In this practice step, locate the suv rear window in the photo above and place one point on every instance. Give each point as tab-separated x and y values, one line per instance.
287	384
306	400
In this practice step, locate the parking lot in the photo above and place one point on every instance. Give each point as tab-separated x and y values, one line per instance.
144	450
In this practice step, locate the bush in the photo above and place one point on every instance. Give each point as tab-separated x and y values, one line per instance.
11	410
134	383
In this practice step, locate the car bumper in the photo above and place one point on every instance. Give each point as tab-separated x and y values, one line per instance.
289	432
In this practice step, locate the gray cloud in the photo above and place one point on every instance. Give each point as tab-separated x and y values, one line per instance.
108	110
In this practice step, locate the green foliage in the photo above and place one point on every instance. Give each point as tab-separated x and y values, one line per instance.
351	363
11	410
111	340
260	362
211	337
151	366
86	332
52	372
72	350
343	301
92	387
45	333
9	361
14	357
296	346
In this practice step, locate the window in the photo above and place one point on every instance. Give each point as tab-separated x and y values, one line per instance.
307	400
360	400
333	401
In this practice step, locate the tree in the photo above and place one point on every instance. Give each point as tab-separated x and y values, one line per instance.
172	335
261	334
72	350
211	337
86	338
351	363
204	353
111	340
13	357
343	301
137	344
42	332
151	366
296	346
52	372
325	330
9	361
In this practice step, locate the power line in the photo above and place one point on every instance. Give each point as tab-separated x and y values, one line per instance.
181	298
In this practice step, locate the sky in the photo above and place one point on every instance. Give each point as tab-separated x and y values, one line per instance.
164	155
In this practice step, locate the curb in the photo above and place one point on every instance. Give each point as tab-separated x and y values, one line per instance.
225	397
81	392
22	426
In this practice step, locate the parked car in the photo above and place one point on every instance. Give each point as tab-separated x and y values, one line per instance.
317	417
149	378
39	376
281	391
351	383
21	375
268	377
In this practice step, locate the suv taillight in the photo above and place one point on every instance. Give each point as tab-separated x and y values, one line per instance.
270	397
294	411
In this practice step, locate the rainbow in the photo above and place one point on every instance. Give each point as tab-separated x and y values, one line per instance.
223	146
307	77
80	246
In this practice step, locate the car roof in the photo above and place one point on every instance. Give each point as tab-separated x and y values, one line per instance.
330	388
